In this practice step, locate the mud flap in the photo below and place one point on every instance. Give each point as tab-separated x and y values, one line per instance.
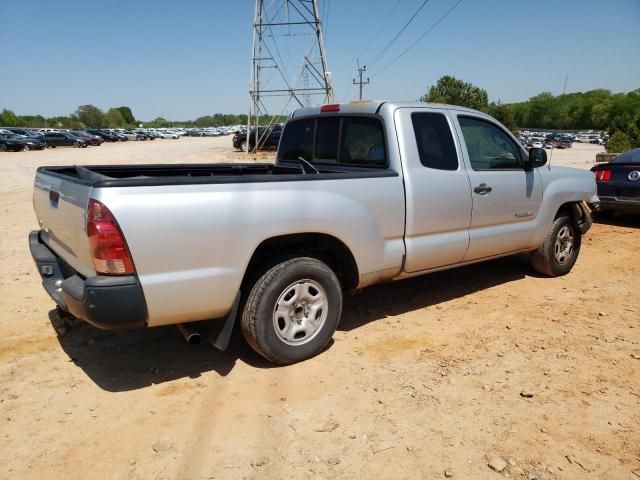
221	341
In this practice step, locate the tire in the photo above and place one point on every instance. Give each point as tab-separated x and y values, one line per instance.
292	310
560	250
244	146
3	148
26	148
76	144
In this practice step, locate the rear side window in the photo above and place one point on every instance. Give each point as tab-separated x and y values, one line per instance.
297	140
434	141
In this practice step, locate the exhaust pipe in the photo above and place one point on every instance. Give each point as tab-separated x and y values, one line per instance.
190	335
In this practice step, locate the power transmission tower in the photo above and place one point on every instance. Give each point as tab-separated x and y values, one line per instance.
288	62
360	83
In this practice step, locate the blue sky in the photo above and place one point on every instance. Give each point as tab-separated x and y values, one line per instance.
184	59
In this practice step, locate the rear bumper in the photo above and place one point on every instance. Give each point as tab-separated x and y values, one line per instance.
617	204
106	302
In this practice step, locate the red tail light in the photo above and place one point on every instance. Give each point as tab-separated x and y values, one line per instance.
108	248
332	107
603	175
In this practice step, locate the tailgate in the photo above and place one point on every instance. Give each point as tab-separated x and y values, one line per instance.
60	204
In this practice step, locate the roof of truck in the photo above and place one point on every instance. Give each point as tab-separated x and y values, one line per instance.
370	107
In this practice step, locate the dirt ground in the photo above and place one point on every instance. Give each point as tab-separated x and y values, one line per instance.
426	378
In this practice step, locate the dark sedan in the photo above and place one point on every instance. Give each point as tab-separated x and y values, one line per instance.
91	139
10	144
619	184
105	135
28	143
61	139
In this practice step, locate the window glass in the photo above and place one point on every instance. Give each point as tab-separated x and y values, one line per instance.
327	139
489	147
362	142
297	140
435	141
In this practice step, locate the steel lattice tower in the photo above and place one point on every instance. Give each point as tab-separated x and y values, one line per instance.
288	60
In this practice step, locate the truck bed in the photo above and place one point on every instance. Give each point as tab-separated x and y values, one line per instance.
188	174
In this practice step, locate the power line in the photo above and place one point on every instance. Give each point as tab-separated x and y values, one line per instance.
377	57
419	39
384	24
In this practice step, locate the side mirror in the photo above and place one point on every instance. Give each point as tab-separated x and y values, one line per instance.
537	158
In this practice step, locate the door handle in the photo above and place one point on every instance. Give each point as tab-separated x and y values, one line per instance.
482	189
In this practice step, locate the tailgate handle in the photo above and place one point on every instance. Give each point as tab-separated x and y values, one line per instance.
54	198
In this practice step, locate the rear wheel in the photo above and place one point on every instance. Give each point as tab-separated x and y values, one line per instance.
244	146
560	250
3	147
292	310
76	144
26	148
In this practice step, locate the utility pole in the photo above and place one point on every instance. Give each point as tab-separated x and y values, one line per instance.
565	84
360	82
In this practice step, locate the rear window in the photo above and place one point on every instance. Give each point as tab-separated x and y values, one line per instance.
632	156
342	140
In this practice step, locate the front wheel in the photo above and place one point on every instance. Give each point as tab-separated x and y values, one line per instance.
560	250
292	310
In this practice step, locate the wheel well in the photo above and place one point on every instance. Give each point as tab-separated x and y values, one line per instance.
317	245
573	210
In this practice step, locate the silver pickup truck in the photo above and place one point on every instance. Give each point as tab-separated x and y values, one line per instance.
361	193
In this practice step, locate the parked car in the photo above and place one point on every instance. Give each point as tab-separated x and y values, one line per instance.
168	135
91	139
536	144
105	135
24	132
361	193
565	144
131	135
60	139
28	143
10	143
268	137
549	145
618	184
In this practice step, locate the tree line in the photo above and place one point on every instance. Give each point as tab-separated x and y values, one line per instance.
616	113
90	116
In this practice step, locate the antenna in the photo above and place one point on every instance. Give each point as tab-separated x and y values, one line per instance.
289	66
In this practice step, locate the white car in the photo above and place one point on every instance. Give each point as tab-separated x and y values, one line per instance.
168	135
536	145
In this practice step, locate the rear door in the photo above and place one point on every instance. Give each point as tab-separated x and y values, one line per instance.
506	199
438	194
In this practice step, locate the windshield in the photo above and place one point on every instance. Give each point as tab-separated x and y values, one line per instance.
632	156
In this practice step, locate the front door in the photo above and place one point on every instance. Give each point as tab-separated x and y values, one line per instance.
506	199
438	195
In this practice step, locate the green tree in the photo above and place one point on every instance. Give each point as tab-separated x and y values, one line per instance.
90	116
504	114
8	118
618	143
127	114
114	118
450	90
